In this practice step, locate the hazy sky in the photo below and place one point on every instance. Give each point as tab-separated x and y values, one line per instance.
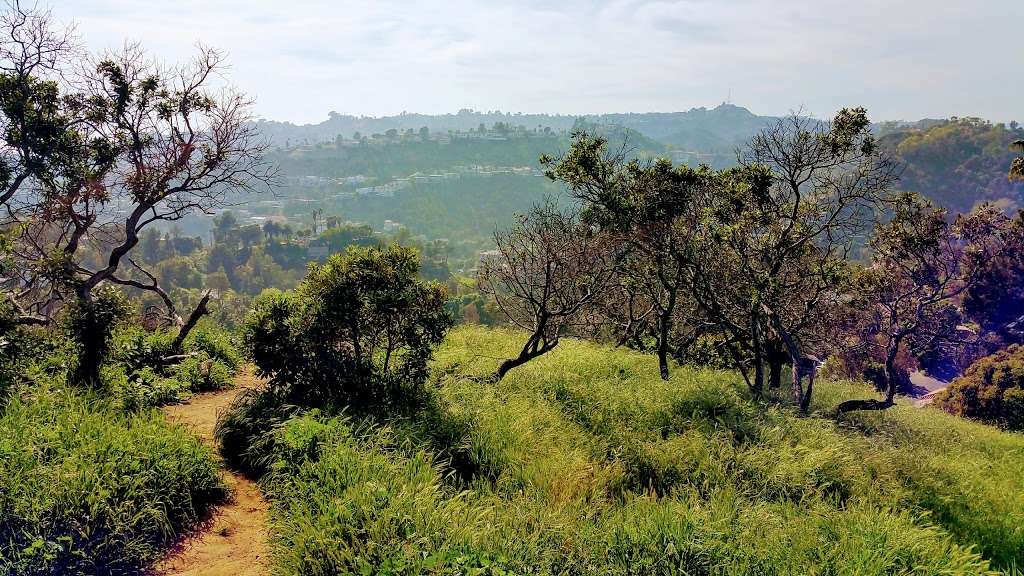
903	59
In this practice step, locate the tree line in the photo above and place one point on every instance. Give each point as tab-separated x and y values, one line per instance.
804	250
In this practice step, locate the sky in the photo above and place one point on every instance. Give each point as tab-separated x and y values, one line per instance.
301	59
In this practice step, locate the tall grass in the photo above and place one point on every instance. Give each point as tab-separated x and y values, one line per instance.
585	462
88	489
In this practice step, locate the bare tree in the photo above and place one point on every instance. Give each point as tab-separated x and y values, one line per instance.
547	271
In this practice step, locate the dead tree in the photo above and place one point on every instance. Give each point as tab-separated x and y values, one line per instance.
547	271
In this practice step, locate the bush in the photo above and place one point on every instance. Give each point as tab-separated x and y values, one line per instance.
141	389
990	390
136	348
28	353
140	374
89	490
359	330
90	324
216	343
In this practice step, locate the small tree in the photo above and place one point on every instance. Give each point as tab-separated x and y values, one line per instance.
549	270
921	265
357	329
643	207
790	238
996	300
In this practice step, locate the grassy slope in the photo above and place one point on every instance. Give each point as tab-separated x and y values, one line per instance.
87	489
585	462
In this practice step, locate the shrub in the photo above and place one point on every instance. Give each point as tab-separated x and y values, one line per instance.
90	490
216	343
25	352
141	389
142	376
90	324
991	390
136	348
203	374
359	330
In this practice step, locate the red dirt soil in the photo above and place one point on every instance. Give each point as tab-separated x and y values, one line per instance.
233	542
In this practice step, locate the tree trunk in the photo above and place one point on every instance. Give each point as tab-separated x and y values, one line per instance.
890	384
510	364
774	372
534	347
797	386
755	337
92	341
663	358
805	404
665	324
890	371
193	318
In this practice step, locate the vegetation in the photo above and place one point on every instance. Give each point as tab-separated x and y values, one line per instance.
357	329
585	461
959	163
149	369
921	265
97	154
356	334
991	390
89	489
626	417
550	270
755	253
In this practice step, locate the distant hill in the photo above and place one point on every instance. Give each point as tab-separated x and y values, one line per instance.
713	132
457	180
957	163
400	154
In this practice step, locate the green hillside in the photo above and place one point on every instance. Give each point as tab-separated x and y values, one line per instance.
958	163
584	462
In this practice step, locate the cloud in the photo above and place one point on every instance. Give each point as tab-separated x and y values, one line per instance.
302	58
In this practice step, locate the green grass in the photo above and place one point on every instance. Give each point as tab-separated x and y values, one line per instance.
585	462
89	489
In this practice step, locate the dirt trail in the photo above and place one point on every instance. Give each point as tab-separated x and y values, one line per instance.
234	541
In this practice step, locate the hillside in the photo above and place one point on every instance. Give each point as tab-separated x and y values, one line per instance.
714	130
585	462
958	163
465	209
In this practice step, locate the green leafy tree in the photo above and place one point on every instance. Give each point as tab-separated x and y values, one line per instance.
178	272
359	329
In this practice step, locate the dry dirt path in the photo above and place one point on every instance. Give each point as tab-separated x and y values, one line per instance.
233	542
